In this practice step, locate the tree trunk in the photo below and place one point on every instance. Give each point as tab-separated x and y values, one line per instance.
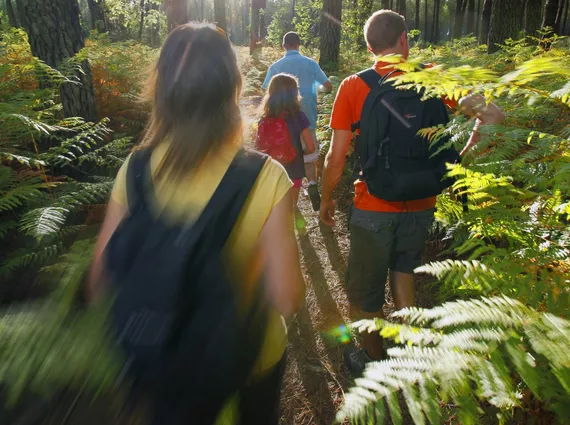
459	15
550	13
11	15
559	15
220	14
386	4
402	7
391	6
55	35
98	15
521	19
478	18
470	25
435	24
176	13
426	21
245	19
485	21
417	12
254	28
330	34
141	25
505	23
564	29
155	27
532	17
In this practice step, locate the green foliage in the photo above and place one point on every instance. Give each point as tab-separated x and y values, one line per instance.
54	175
470	357
492	350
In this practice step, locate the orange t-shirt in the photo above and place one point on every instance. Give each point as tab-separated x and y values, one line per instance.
346	111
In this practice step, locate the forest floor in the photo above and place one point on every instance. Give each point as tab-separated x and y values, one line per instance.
316	377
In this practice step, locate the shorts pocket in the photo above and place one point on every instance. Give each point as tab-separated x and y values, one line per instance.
370	221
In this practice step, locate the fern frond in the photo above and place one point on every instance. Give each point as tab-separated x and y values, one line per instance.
481	341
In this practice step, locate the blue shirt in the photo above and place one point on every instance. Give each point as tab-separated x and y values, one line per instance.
309	74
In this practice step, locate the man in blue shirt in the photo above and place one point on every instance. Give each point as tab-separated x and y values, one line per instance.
310	76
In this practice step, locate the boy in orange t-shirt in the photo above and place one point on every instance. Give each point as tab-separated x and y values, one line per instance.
384	236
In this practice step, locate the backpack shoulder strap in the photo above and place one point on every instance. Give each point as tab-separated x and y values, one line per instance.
231	194
370	77
138	174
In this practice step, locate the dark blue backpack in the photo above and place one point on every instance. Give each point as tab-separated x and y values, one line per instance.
177	313
396	163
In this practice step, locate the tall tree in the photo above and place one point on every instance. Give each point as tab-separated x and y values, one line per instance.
256	24
417	11
402	7
176	13
459	15
426	21
220	14
478	18
485	21
330	34
11	15
143	15
55	35
470	25
550	14
564	27
386	4
435	24
505	23
532	17
98	15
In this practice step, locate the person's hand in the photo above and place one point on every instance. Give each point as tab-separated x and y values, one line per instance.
327	211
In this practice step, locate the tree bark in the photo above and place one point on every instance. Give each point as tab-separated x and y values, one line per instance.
176	13
417	12
254	29
330	34
426	21
98	15
435	24
385	4
485	21
402	7
143	14
523	9
220	14
564	28
532	17
550	14
459	15
245	18
11	15
470	25
55	35
478	18
505	23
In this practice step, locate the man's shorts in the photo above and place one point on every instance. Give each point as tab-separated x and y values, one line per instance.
312	157
382	241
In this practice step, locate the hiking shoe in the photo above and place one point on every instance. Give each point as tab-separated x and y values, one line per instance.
355	360
314	196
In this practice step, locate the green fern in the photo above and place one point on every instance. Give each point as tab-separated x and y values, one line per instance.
465	352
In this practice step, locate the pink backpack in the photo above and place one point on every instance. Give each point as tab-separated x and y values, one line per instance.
274	139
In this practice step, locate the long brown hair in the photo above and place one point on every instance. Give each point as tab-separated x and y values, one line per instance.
194	90
282	96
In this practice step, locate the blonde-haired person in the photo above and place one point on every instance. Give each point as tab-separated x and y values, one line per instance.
194	134
385	237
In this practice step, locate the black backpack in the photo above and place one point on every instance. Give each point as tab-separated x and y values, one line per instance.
396	163
177	313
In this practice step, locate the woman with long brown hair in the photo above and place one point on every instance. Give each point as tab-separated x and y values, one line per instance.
193	139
